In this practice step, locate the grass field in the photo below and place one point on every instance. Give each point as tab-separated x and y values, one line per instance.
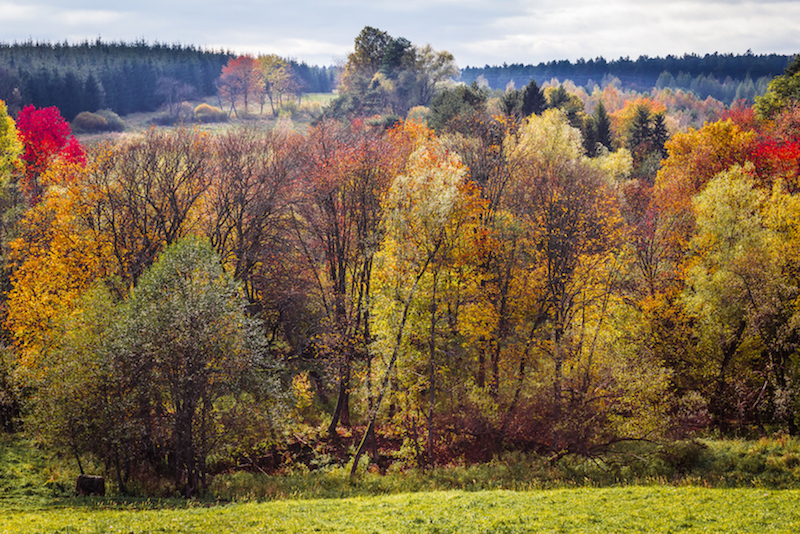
618	509
728	486
298	113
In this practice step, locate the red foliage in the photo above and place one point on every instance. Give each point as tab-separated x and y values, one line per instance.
46	137
742	116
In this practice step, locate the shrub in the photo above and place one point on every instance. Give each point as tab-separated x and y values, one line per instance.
115	123
164	119
206	114
185	112
87	122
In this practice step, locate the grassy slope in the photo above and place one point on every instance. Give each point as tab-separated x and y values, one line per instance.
136	123
643	508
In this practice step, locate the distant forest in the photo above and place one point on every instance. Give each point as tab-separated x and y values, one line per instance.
123	77
725	77
141	77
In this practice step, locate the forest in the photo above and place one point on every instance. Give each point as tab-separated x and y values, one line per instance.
725	77
427	273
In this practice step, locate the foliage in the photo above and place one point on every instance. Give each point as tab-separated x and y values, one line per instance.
240	79
783	91
206	114
10	145
46	137
387	75
87	122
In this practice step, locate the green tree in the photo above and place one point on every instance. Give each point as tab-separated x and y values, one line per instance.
783	91
186	338
602	124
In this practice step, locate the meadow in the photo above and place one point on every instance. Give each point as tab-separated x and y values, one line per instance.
708	486
615	509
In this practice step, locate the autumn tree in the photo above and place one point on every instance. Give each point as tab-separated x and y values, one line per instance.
428	210
388	75
248	219
349	169
10	145
240	79
277	75
148	190
575	236
184	330
57	256
783	91
740	296
46	137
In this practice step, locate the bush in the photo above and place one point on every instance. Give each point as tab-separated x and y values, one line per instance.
87	122
164	119
115	123
207	114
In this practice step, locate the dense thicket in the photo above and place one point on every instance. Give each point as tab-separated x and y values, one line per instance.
124	77
725	77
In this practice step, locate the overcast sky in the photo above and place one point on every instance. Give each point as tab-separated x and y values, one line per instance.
477	32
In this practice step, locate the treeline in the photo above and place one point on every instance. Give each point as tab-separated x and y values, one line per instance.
123	77
726	77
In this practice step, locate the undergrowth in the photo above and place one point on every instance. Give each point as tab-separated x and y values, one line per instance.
30	476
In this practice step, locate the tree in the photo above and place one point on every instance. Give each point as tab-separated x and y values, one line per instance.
433	70
574	246
367	57
350	168
249	201
147	191
10	145
46	137
694	158
56	257
527	101
240	79
603	125
741	299
455	109
277	75
783	91
185	329
427	209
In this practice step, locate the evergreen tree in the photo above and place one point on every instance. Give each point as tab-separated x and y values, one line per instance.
533	101
603	125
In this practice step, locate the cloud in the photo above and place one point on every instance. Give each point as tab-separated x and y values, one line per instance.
477	32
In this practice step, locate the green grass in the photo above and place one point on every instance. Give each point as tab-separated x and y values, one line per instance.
716	486
618	509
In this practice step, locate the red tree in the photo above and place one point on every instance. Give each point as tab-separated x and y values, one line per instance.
46	137
240	79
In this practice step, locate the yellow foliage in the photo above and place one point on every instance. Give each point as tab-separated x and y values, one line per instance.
57	256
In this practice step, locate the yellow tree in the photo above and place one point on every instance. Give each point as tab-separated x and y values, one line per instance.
59	254
428	210
574	241
277	79
10	145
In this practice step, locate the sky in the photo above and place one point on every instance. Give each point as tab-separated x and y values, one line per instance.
476	32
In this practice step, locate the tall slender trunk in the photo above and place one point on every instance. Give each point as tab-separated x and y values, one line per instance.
392	361
432	370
